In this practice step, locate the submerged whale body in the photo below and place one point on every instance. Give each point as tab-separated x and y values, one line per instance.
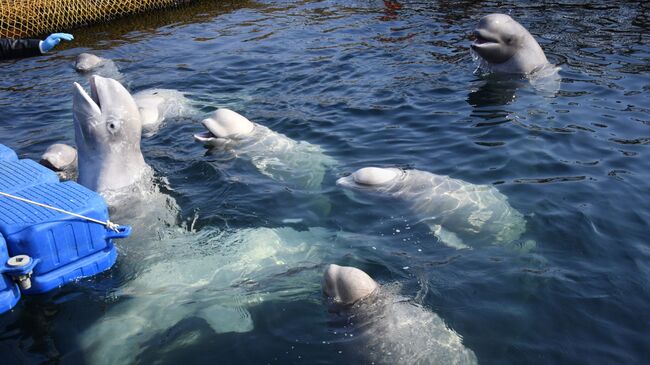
460	214
392	329
298	163
215	278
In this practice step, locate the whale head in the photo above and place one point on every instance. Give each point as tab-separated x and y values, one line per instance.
346	285
86	62
149	105
224	125
500	40
59	157
370	178
107	134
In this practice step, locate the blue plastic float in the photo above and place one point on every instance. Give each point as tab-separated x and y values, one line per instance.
40	248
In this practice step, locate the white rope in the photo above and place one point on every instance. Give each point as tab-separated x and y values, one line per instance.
108	224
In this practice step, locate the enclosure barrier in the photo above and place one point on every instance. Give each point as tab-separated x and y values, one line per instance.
51	233
32	18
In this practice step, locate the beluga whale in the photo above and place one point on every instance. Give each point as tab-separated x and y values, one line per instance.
459	214
156	105
391	329
62	159
107	134
506	47
298	163
108	130
90	64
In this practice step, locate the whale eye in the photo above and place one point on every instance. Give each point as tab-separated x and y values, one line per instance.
509	40
113	126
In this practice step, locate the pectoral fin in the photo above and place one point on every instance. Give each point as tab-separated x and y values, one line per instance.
447	238
224	319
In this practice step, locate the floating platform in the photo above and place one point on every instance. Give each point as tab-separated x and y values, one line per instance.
42	249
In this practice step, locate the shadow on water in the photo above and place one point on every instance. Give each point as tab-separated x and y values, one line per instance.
494	92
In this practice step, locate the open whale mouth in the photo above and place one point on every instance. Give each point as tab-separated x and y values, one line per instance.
208	138
90	103
483	39
204	137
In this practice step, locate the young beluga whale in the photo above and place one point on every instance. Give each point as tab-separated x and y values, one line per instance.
156	105
460	214
392	330
61	159
299	163
88	63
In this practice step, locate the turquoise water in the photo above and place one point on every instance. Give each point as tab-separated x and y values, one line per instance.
372	85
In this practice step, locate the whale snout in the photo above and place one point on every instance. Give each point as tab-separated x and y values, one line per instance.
222	126
347	285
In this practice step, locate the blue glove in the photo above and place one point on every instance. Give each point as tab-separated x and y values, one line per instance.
54	39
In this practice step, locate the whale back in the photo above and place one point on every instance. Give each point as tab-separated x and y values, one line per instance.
298	163
395	330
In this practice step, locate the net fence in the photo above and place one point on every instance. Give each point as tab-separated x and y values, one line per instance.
32	18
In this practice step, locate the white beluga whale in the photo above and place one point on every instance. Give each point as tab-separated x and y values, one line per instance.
298	163
460	214
215	277
88	63
156	105
107	134
62	159
506	46
505	52
392	329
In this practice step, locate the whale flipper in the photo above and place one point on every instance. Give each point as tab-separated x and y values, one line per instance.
447	238
224	319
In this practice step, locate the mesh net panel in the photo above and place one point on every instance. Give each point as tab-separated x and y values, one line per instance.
31	18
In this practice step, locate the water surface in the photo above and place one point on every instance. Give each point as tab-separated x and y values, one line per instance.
373	83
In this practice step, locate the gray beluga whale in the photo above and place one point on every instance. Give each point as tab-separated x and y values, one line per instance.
88	63
62	159
460	214
393	330
107	134
156	105
298	163
108	131
216	278
506	46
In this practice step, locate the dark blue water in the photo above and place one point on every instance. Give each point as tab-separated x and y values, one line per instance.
375	85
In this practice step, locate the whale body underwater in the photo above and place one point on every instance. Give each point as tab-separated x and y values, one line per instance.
392	329
459	214
298	163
